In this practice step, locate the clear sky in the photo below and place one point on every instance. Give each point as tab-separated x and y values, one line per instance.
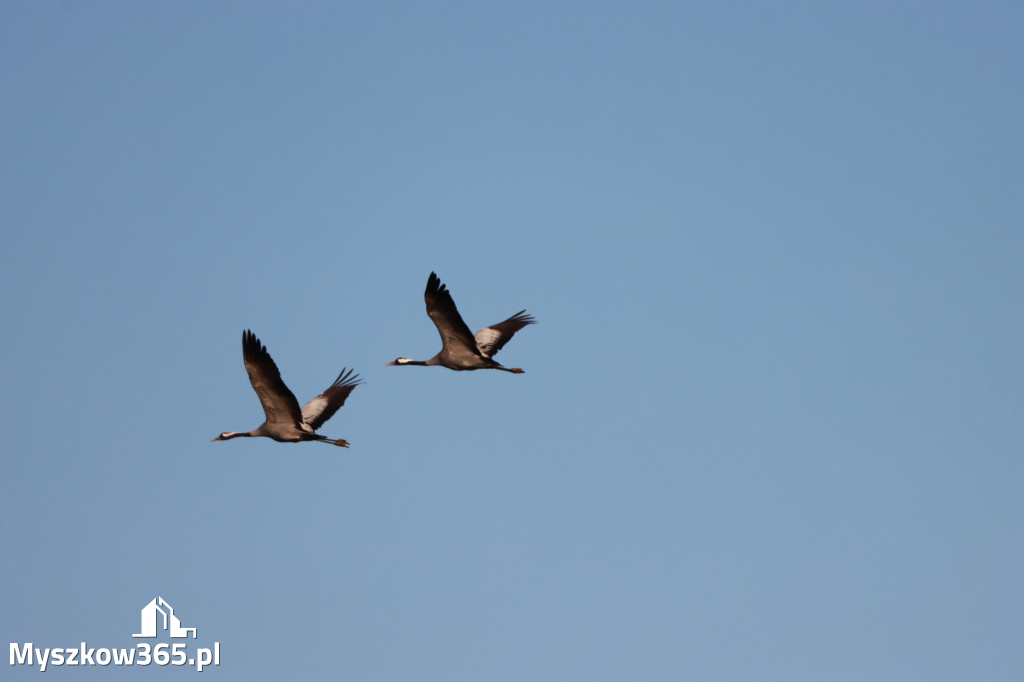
771	421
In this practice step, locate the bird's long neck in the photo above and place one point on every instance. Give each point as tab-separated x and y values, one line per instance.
238	434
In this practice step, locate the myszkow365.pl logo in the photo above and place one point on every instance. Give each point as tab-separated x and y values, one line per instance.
141	654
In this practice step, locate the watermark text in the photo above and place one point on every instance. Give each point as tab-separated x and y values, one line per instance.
141	654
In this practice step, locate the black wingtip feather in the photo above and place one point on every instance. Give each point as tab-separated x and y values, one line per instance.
347	378
434	285
521	316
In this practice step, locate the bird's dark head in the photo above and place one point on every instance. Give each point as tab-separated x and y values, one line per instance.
235	434
399	361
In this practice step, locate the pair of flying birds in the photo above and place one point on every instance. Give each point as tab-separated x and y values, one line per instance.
460	350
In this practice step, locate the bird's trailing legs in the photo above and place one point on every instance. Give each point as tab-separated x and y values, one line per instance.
339	442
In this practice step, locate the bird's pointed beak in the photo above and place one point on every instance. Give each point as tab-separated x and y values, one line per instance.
391	364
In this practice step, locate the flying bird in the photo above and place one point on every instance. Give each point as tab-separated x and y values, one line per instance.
461	350
286	423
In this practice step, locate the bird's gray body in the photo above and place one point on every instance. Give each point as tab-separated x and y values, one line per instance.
285	421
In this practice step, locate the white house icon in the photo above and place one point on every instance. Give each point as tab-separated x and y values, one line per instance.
149	620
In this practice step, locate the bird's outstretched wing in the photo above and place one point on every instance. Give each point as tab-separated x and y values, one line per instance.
278	402
317	411
450	325
491	339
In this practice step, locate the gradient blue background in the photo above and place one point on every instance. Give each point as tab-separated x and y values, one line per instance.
771	422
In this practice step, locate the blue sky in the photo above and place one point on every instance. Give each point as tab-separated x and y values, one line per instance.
770	425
